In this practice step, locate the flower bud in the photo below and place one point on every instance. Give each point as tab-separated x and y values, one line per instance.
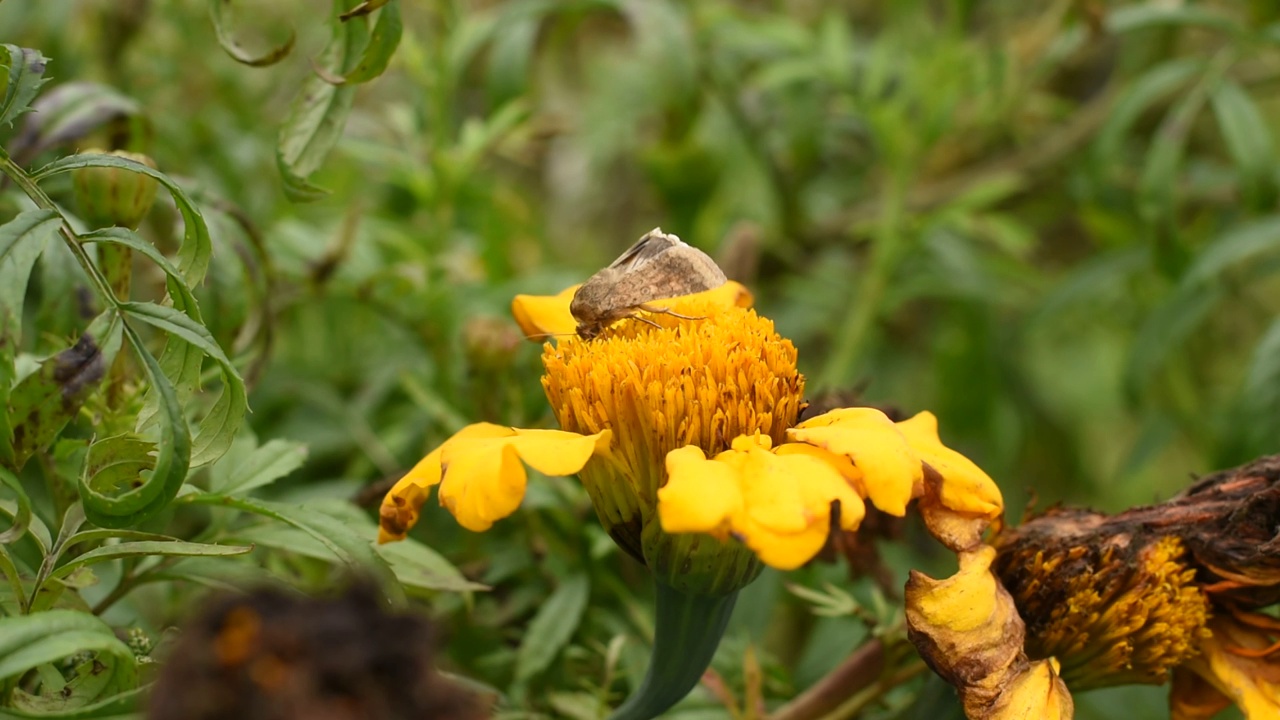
107	196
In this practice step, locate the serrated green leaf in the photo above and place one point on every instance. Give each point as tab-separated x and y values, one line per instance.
148	548
171	463
1248	139
319	111
355	551
218	10
123	706
21	242
193	255
23	71
44	402
219	426
31	640
263	466
418	566
552	627
382	45
22	515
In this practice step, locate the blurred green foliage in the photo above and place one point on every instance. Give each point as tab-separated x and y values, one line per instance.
1054	224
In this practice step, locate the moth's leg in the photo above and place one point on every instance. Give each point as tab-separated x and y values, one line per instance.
644	319
667	311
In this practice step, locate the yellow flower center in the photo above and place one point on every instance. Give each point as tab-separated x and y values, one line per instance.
697	382
1112	616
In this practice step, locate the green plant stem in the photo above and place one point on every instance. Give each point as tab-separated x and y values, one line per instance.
42	200
688	631
885	253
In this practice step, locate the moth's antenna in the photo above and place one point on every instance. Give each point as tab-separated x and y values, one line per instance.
543	336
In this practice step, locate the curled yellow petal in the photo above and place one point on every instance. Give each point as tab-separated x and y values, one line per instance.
890	468
403	503
540	316
480	471
965	487
967	629
778	505
1234	660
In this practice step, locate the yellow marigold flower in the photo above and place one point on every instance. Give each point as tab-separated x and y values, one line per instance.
967	629
684	433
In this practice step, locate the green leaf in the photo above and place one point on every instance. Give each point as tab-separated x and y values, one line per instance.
45	401
169	471
23	71
319	111
1248	139
1165	331
552	627
149	548
1153	85
1160	169
29	641
382	45
355	551
418	566
218	429
21	242
1262	381
193	255
1244	242
218	10
1148	15
22	517
263	466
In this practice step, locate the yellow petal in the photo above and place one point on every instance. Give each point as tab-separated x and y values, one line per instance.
964	602
967	629
403	503
965	487
700	495
1253	683
1035	693
891	470
542	315
787	509
484	478
558	453
777	505
730	294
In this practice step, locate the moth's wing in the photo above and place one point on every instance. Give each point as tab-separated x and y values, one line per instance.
654	243
679	271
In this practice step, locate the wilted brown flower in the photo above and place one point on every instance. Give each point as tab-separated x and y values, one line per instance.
273	655
1168	590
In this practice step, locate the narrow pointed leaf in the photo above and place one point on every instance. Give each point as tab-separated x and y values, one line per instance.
22	70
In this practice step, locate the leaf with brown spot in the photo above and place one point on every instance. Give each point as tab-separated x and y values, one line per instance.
45	401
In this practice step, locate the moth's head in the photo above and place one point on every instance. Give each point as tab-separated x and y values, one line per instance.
589	330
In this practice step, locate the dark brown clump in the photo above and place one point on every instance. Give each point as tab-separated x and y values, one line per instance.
273	655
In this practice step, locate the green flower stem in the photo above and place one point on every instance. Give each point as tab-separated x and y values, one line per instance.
688	629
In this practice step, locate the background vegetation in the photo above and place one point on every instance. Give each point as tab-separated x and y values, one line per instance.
1054	224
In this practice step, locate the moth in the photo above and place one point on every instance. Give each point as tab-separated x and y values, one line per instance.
657	267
